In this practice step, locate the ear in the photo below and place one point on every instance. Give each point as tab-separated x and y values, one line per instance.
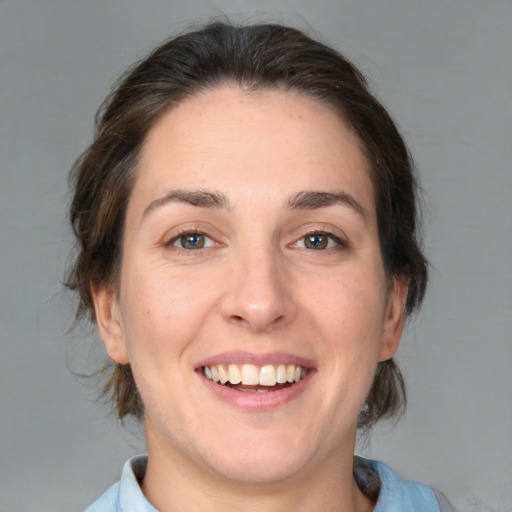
394	321
109	321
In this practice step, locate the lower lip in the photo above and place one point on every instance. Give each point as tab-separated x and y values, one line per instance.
258	401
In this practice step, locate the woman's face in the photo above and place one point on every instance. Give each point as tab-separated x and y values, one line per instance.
251	254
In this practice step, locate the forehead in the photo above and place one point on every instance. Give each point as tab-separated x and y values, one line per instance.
266	140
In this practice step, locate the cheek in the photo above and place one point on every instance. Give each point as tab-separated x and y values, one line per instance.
349	312
162	310
351	299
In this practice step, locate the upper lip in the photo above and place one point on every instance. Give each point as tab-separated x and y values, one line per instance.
240	357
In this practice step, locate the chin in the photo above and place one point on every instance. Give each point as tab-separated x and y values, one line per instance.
261	470
261	459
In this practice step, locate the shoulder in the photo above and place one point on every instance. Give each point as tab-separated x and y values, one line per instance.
397	494
126	495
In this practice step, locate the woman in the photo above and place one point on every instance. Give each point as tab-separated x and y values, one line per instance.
246	226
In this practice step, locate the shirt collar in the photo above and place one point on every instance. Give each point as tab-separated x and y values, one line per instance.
131	498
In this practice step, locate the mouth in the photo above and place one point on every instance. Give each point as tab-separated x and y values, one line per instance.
250	378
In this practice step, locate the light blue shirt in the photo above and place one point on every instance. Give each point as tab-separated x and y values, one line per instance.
396	494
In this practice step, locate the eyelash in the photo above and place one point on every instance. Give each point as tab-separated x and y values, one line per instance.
187	233
331	238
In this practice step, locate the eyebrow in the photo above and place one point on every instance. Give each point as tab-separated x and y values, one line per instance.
311	200
201	198
306	200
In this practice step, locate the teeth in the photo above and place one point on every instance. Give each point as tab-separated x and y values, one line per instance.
223	375
268	376
251	375
215	374
234	374
281	374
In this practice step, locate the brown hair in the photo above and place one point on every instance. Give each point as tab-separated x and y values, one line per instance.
255	57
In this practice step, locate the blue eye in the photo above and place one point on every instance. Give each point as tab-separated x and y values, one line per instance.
192	241
319	241
316	241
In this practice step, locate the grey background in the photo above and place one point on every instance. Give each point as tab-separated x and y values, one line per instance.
444	70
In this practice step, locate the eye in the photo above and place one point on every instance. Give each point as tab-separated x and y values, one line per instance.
191	241
319	241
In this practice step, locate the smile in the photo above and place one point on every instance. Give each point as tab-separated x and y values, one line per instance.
250	378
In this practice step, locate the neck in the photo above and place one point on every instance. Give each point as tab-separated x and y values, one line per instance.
173	482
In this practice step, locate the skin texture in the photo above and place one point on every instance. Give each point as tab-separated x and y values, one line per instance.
254	288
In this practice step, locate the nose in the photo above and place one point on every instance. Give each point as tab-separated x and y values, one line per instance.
258	293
